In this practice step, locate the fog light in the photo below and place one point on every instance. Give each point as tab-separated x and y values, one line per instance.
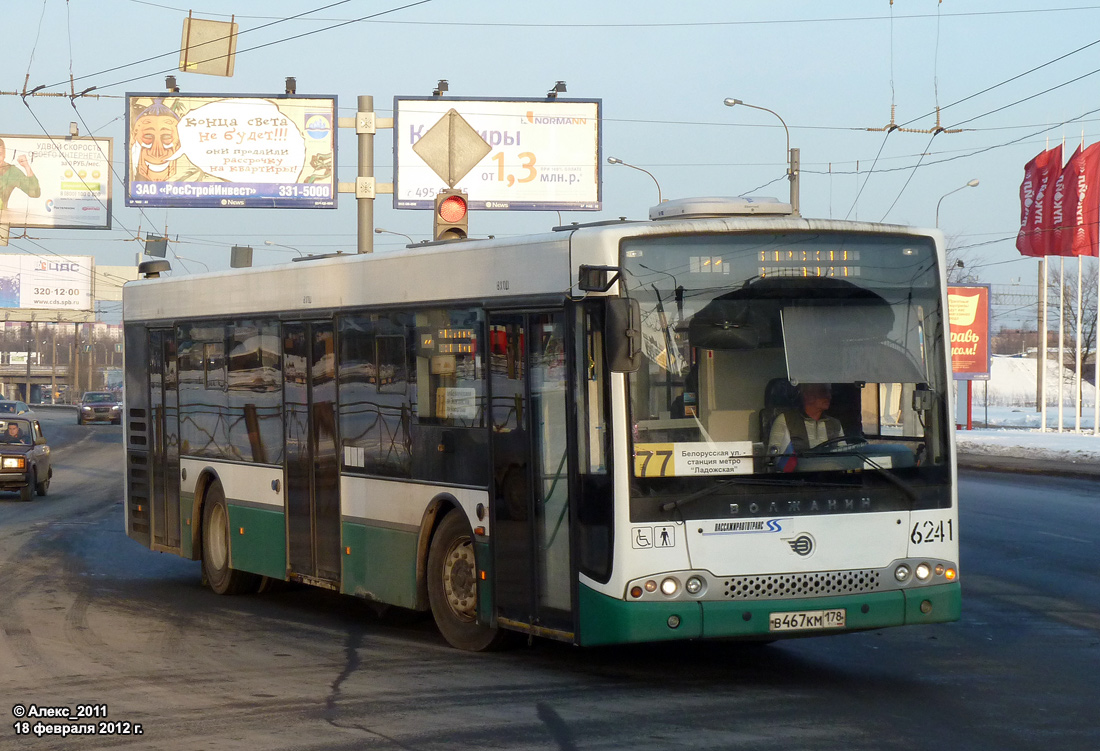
901	573
651	586
674	621
669	586
926	607
694	585
923	571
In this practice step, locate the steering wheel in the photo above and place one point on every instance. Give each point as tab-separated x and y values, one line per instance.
833	443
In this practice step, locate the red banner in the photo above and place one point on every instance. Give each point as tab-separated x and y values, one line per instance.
1084	215
1038	235
968	316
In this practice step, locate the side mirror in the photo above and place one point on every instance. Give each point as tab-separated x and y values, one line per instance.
623	334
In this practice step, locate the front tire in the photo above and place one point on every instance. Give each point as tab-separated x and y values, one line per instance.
452	587
26	492
44	487
223	579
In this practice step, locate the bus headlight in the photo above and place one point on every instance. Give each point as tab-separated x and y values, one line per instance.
14	462
694	585
923	571
901	573
670	586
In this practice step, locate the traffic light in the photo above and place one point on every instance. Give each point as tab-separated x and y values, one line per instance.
451	215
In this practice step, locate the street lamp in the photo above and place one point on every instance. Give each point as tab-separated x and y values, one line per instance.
972	184
792	154
613	160
379	231
277	245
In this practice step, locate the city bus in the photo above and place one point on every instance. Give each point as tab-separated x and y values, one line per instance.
567	435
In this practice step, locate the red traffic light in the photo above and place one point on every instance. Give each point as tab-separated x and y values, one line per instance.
451	215
452	208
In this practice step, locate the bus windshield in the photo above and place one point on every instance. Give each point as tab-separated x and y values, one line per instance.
768	354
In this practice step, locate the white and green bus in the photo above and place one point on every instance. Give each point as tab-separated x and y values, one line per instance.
568	435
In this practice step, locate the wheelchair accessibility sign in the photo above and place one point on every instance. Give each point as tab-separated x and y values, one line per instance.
663	536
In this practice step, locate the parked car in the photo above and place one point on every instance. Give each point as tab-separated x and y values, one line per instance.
24	456
12	407
99	406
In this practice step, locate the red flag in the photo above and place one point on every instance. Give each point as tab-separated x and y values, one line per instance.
1069	206
1037	235
1088	204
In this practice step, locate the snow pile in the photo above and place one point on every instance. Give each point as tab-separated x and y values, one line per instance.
1012	383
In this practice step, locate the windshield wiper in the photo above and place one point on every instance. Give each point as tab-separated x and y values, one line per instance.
896	481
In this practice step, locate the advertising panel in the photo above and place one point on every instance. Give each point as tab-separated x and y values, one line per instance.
55	182
55	282
968	315
541	155
213	151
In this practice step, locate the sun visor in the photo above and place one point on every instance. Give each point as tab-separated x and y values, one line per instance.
852	343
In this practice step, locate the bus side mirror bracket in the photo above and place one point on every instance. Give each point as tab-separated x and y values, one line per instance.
924	398
623	334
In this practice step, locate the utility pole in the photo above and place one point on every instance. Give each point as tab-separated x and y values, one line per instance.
365	188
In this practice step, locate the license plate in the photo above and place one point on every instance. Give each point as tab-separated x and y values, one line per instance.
807	620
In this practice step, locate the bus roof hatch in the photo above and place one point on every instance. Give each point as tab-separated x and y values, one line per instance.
683	208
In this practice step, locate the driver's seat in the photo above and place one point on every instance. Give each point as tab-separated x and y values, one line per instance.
780	395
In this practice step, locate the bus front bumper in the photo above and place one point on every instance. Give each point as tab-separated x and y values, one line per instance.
608	620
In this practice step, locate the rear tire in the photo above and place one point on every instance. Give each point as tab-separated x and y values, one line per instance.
223	579
452	587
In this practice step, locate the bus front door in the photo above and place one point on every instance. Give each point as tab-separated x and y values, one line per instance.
530	536
312	472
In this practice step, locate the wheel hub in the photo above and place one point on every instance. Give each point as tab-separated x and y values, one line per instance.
460	581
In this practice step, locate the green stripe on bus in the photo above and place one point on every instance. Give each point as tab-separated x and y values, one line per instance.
257	540
608	620
380	564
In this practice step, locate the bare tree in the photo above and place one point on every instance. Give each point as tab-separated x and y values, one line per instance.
1066	298
961	261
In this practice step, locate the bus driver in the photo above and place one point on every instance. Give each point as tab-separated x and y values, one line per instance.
795	431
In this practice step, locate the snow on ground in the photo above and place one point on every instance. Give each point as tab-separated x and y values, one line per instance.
1010	423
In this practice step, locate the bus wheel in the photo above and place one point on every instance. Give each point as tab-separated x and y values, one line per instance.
215	548
452	586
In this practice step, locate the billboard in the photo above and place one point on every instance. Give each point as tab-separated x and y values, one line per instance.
968	316
209	151
543	155
54	282
55	182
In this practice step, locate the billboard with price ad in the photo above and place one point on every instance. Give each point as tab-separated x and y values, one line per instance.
538	155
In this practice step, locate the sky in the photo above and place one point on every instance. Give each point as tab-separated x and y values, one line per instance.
1015	76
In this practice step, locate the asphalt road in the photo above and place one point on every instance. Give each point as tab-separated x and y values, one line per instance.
90	618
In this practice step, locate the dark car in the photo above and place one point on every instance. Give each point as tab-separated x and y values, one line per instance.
99	406
24	457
